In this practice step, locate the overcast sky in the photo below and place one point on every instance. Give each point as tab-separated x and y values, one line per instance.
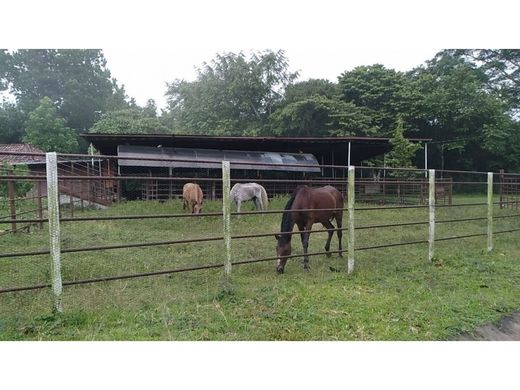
150	43
144	72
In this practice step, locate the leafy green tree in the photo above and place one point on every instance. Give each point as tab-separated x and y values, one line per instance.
313	87
150	110
455	108
382	90
129	121
12	123
402	153
233	94
119	100
321	116
4	66
501	67
47	130
78	82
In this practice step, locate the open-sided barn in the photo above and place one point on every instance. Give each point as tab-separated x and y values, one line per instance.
309	152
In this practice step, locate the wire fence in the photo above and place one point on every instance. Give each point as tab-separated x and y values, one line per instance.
105	209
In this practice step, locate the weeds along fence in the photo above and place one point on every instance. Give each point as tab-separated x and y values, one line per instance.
103	220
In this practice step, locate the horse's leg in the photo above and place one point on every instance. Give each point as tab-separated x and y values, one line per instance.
238	207
328	225
305	243
258	203
339	231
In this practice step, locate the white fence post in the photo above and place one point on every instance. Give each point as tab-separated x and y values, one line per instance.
226	209
54	229
490	212
350	206
431	203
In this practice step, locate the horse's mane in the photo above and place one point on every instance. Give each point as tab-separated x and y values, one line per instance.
287	222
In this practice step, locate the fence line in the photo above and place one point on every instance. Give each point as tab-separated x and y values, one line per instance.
57	174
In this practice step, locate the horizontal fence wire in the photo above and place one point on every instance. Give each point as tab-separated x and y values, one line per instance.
66	175
205	267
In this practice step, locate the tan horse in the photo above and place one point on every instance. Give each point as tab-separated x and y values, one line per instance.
192	197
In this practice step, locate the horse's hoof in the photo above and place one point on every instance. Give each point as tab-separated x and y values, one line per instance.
279	270
307	268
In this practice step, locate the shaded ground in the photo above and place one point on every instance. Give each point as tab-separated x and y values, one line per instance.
507	330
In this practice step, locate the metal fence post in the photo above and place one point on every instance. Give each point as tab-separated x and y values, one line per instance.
490	211
39	201
54	230
350	205
431	203
11	192
226	210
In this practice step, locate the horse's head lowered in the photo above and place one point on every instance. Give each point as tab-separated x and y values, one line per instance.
197	208
283	248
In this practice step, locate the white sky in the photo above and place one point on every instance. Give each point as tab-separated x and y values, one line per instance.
150	43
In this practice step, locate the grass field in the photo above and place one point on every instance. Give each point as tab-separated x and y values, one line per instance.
394	293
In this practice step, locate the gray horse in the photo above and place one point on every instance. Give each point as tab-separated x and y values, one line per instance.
247	191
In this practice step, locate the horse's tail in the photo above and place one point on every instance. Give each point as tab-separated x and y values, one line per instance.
265	199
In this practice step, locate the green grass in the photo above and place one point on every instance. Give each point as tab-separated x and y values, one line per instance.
394	293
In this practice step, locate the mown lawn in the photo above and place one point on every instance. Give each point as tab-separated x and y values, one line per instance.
394	293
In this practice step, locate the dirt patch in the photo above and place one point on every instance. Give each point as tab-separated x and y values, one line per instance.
507	330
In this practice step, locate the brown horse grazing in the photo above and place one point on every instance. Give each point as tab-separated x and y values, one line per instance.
192	197
317	199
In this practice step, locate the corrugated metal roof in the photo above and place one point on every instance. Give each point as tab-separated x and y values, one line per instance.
20	159
215	157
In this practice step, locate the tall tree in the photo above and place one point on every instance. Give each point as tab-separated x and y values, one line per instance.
233	94
12	123
379	89
309	88
47	130
129	121
403	151
456	109
78	82
501	66
321	116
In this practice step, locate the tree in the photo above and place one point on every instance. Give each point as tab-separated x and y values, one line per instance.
233	94
150	110
46	130
132	120
12	123
456	108
501	66
383	91
77	82
4	66
321	116
402	153
309	88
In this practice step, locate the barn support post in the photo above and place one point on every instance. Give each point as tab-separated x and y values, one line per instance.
431	204
11	193
54	230
226	210
350	205
425	158
490	211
